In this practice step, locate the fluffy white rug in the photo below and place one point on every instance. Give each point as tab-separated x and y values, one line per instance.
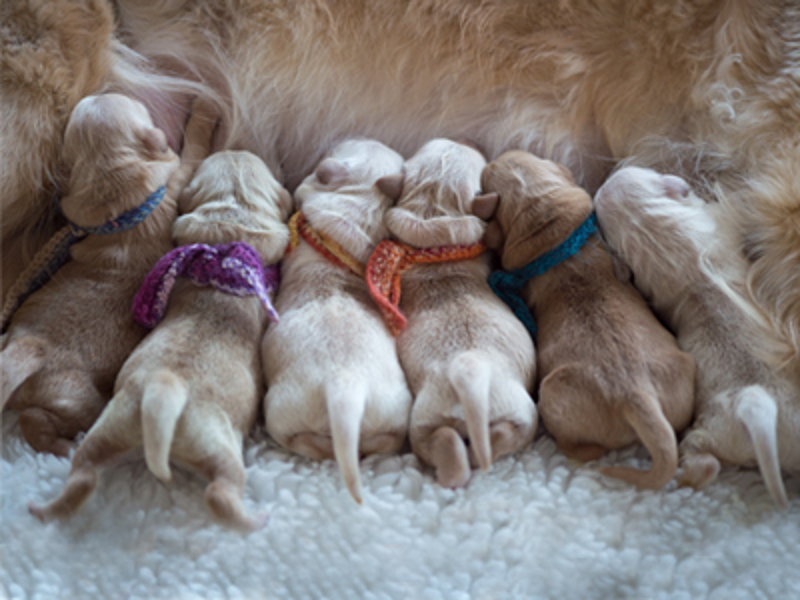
535	526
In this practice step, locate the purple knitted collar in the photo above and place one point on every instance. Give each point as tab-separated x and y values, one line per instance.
233	268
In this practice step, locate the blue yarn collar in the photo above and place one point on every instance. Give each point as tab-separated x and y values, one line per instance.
56	251
508	285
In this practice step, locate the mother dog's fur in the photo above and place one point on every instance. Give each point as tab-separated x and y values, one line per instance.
706	88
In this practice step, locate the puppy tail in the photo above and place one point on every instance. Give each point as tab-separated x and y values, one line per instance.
470	377
658	436
20	359
346	399
759	415
162	404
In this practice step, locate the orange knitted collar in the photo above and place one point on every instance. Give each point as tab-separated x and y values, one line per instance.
324	245
387	264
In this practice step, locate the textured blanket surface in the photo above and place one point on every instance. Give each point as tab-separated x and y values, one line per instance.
536	526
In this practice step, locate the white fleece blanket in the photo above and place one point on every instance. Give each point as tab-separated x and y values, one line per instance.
536	526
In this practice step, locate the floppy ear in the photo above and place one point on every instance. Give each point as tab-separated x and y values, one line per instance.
437	231
391	185
493	238
155	143
675	187
543	223
331	172
484	205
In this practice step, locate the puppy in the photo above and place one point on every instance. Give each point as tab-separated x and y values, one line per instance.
470	363
194	402
609	373
746	413
68	340
335	387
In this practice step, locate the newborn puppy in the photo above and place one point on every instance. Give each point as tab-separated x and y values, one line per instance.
67	341
335	387
470	363
746	414
188	401
610	373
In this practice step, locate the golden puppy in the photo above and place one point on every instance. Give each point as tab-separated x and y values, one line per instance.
746	412
610	374
470	363
183	400
335	387
67	341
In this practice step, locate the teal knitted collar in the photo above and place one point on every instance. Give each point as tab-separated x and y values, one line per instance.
55	253
508	285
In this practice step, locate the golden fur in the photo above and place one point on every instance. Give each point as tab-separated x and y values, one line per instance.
335	387
188	402
469	362
67	341
745	412
609	373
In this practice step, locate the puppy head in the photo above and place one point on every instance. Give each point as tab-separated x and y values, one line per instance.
436	196
539	206
656	225
342	198
117	158
233	197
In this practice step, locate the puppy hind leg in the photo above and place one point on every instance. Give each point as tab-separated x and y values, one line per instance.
448	455
758	413
40	428
113	435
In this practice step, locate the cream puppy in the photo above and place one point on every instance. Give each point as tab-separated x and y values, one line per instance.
470	363
610	375
183	400
335	387
746	414
67	341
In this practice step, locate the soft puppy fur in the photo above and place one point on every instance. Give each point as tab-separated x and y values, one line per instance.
187	401
746	412
335	387
470	363
610	375
67	341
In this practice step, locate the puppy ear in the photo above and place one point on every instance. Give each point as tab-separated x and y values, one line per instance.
541	224
155	143
675	187
391	185
484	205
437	231
331	172
493	237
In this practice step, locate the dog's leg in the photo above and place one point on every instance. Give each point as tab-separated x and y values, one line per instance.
210	446
115	433
382	443
346	398
18	361
448	455
513	419
41	430
312	445
699	466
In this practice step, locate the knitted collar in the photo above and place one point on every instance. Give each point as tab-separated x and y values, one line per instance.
387	264
55	253
324	245
508	285
233	268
